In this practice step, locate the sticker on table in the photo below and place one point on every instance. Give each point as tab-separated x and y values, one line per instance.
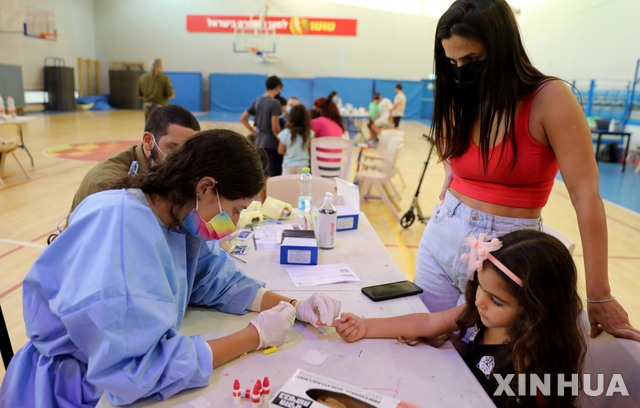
314	275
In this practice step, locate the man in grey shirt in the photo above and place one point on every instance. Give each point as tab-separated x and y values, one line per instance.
266	111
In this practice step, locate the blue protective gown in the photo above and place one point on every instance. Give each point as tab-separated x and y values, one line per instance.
103	305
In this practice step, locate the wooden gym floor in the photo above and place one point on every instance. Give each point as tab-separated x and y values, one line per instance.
31	209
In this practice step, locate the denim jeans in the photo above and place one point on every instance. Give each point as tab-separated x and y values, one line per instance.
439	270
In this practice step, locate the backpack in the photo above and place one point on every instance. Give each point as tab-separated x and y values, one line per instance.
608	153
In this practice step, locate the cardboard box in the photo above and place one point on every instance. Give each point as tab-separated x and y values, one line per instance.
308	390
298	247
347	218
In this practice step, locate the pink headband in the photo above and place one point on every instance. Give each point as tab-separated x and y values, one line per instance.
481	251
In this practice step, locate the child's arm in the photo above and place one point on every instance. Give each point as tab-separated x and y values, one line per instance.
281	148
352	328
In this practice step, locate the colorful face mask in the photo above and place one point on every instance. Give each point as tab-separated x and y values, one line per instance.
217	228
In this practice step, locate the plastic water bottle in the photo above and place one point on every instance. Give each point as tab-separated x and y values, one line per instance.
11	107
327	218
304	197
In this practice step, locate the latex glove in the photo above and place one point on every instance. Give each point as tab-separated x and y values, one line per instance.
318	309
274	324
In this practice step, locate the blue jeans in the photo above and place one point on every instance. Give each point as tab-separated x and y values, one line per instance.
439	270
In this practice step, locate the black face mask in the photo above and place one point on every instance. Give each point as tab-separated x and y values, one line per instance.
469	75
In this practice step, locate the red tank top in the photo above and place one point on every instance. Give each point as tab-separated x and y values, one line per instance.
526	185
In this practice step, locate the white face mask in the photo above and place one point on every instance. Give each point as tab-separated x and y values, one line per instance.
288	109
164	156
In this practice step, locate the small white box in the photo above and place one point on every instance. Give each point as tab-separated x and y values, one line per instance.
347	218
310	390
299	248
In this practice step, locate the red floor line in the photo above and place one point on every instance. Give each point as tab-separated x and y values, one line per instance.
397	245
8	186
10	290
631	258
10	251
609	217
46	234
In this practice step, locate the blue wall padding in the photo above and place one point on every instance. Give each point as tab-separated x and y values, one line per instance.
356	91
411	89
427	98
234	92
188	89
299	87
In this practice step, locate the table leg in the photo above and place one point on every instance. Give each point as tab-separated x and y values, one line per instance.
598	146
626	152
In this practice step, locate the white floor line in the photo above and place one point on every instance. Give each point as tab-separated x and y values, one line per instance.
22	243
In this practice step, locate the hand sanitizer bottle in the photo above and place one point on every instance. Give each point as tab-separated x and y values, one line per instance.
327	218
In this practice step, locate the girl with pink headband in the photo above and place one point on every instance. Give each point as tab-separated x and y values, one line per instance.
523	306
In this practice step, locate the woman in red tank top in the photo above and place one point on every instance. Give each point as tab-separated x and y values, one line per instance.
502	129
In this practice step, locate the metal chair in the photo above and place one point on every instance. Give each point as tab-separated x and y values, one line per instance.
10	140
5	342
331	157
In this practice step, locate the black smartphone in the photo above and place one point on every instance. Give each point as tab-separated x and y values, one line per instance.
393	290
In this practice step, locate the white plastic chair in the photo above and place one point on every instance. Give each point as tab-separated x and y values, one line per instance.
286	188
383	141
607	356
10	140
381	179
571	246
331	157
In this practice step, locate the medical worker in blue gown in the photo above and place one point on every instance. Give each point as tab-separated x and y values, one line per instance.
104	302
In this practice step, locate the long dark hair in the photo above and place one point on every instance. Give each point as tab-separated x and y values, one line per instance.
546	337
509	76
328	109
299	123
228	157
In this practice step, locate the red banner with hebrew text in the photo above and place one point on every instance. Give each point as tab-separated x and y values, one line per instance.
282	25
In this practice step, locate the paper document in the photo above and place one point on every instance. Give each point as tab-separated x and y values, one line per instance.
315	275
268	236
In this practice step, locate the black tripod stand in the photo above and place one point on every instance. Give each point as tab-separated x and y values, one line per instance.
409	217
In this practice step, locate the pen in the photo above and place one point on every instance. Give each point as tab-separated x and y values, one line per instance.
239	259
255	245
133	170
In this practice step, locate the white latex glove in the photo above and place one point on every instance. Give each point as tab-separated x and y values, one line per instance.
274	324
318	308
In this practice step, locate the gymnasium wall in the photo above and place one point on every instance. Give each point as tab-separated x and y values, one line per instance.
573	39
76	38
583	39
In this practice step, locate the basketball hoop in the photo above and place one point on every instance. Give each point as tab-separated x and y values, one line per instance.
254	40
49	35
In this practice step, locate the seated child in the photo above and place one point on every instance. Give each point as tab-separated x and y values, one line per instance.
523	303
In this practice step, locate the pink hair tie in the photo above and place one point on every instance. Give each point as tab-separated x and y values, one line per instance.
481	251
